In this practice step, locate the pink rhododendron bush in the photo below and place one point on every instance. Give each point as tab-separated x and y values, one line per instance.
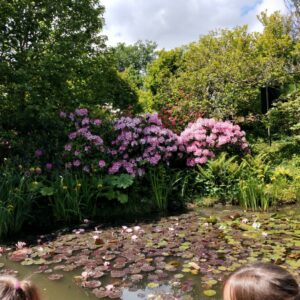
202	139
135	143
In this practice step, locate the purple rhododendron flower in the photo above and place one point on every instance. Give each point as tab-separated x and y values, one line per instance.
62	114
68	147
77	153
38	153
81	112
49	166
97	122
76	163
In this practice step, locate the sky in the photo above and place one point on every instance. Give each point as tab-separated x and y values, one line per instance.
172	23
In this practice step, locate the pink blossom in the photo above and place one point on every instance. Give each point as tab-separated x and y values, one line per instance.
68	147
101	163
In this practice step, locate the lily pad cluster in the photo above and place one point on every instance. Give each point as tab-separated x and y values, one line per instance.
191	253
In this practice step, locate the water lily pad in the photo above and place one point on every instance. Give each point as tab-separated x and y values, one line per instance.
92	284
178	276
209	293
136	277
27	262
100	293
117	274
55	277
152	285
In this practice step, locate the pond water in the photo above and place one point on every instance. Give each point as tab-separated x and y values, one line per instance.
177	257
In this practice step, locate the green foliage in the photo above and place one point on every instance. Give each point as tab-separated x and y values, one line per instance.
220	75
53	58
253	196
16	202
131	62
168	187
136	56
284	117
219	179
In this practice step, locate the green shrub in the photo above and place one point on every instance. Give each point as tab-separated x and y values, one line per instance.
219	179
168	187
16	201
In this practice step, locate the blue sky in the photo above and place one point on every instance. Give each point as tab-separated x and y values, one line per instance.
250	7
172	23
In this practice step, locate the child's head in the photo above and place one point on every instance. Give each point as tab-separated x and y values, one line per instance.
13	289
261	281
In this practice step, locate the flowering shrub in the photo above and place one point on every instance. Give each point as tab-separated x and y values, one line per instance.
136	143
85	149
200	140
141	141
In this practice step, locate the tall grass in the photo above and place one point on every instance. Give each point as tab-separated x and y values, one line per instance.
16	201
253	195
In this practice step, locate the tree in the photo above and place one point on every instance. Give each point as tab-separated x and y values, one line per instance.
294	9
136	56
50	51
53	57
221	74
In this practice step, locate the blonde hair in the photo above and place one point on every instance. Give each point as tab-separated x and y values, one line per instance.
13	289
262	281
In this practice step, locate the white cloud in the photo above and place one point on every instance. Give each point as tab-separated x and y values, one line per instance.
172	23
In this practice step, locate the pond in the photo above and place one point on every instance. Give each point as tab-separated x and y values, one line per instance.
178	257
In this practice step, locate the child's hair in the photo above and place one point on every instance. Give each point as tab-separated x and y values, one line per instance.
261	281
13	289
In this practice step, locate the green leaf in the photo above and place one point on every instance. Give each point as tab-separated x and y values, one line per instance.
209	293
47	191
122	198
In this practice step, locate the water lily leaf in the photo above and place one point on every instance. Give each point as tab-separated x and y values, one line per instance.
27	262
209	293
152	285
100	293
55	276
92	284
178	276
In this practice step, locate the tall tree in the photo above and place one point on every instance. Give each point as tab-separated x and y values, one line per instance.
50	51
294	9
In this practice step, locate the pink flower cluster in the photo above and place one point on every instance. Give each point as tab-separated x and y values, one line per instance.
84	146
200	140
141	141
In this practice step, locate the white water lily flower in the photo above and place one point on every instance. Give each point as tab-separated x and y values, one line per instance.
264	234
124	227
20	245
256	225
109	287
245	220
85	275
134	237
222	227
171	229
136	228
129	230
